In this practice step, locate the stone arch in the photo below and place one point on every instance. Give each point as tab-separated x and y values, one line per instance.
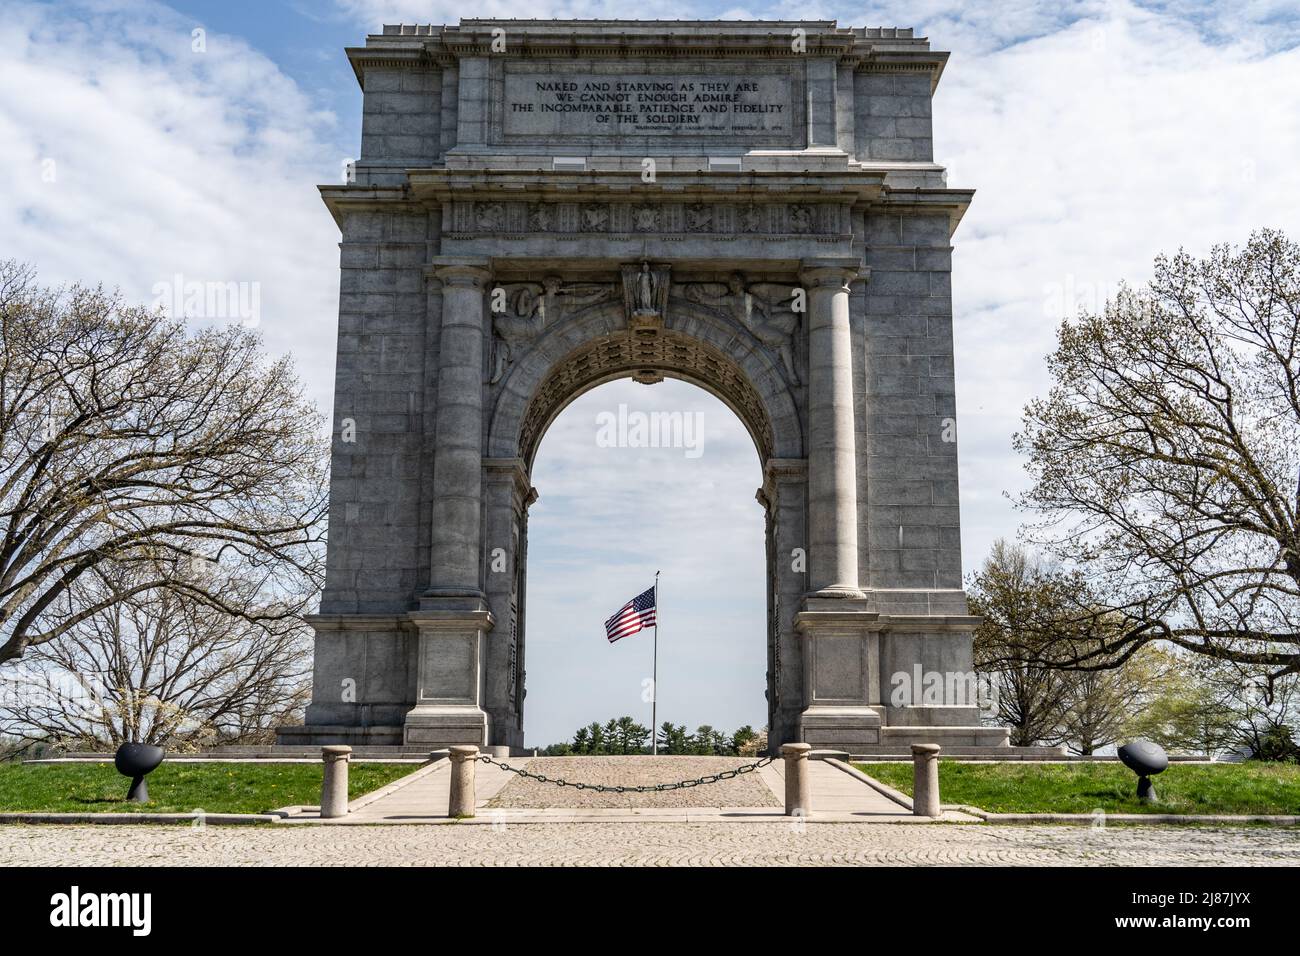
597	347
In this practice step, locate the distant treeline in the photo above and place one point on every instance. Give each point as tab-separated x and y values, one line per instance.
623	735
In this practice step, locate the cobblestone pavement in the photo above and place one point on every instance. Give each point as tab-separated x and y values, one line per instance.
748	790
653	844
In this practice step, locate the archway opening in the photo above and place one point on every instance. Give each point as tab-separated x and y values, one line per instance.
635	479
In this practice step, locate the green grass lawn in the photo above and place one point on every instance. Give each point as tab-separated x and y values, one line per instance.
1083	787
180	787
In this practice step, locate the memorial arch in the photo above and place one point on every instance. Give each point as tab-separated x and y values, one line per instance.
783	243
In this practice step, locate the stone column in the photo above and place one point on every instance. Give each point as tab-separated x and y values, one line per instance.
453	618
334	783
841	641
458	453
798	801
785	496
461	801
925	780
832	465
507	494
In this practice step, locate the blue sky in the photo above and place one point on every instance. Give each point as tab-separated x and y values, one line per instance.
1097	134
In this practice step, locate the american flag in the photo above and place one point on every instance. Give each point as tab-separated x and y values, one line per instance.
636	614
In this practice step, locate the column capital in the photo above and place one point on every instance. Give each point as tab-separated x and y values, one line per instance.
785	468
831	273
777	470
471	272
513	470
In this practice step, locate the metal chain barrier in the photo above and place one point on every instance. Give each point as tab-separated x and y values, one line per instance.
648	788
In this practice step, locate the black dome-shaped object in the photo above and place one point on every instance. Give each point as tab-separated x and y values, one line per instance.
134	761
1145	759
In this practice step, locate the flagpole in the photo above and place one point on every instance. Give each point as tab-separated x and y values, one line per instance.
654	680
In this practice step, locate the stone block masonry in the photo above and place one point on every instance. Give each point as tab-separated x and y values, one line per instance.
503	250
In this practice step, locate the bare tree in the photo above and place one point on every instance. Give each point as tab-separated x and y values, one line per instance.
1105	706
1166	462
1018	598
126	440
159	666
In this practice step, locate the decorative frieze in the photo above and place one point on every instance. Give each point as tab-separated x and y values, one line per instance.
512	219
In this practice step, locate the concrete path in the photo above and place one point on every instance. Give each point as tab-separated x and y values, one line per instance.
427	797
836	797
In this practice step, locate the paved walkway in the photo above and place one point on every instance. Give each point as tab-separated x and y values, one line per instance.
839	794
646	844
741	790
426	797
836	796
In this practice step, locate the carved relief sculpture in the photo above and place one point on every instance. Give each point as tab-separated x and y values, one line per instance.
594	217
801	219
519	322
765	309
699	218
574	298
539	218
490	217
529	308
645	218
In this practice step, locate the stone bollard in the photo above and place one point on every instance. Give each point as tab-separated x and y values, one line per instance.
797	800
925	780
461	801
334	784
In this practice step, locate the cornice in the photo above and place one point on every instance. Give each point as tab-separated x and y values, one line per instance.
355	197
920	200
928	623
890	61
415	46
358	622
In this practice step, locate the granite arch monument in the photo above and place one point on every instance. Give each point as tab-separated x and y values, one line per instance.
543	206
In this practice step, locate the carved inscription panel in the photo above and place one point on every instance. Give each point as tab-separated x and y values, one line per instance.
751	104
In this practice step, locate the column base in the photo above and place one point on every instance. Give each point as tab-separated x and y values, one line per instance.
316	734
946	737
840	727
838	592
448	707
437	726
841	667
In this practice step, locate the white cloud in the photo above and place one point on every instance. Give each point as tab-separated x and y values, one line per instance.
131	158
